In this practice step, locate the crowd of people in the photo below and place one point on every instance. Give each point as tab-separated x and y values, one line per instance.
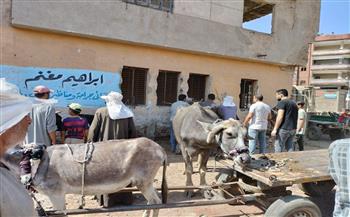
288	129
115	121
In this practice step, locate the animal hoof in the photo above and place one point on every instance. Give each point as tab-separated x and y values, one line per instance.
189	194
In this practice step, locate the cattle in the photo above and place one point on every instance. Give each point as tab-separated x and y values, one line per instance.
198	129
113	165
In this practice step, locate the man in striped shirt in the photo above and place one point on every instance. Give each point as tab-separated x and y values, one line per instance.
75	128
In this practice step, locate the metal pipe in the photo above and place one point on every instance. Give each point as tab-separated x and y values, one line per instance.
235	200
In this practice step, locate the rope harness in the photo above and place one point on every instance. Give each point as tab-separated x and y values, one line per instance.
89	148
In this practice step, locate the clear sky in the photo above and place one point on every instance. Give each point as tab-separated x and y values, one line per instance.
335	18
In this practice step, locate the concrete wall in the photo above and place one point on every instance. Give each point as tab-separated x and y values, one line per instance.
222	11
23	47
324	104
295	23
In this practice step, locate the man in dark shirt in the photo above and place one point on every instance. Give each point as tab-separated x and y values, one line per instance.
286	122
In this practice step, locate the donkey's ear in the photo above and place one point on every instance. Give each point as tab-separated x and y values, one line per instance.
206	126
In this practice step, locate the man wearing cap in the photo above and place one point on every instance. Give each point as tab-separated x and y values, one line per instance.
75	128
113	122
14	121
301	124
42	130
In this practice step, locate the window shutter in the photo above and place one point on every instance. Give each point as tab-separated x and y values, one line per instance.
196	86
126	86
167	87
161	88
139	86
171	87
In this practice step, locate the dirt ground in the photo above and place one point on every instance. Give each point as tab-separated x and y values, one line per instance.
175	177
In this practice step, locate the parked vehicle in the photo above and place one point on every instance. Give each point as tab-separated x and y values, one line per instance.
326	123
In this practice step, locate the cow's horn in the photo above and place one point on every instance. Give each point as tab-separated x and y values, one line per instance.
214	131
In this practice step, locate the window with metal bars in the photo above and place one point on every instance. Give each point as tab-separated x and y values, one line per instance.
134	85
197	86
248	89
164	5
167	87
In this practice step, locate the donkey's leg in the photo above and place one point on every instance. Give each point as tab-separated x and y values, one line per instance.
150	193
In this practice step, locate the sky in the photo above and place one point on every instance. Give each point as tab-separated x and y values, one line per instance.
335	18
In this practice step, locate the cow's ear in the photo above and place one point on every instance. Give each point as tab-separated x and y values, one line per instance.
206	126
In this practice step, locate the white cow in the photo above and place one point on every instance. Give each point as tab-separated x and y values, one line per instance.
114	165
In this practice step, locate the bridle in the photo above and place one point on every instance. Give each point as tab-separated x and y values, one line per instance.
234	152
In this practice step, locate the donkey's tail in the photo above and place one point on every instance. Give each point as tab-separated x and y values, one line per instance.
164	183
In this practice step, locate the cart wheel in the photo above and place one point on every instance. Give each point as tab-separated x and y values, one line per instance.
293	206
335	134
317	189
314	133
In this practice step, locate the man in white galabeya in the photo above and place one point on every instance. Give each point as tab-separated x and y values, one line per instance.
258	116
14	121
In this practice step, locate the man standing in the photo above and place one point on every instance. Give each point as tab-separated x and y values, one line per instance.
75	128
42	130
286	122
14	121
339	156
258	116
113	122
301	125
228	109
209	102
181	102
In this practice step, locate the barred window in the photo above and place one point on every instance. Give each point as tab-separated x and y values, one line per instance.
248	89
164	5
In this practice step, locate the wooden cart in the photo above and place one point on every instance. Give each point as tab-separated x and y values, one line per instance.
308	169
264	181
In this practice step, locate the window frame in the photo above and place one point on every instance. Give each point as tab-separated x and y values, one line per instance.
163	102
148	3
127	96
202	97
246	102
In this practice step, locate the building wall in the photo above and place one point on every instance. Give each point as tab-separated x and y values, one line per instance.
226	12
195	26
330	69
330	100
23	47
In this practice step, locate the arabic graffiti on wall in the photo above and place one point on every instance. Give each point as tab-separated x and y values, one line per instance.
69	85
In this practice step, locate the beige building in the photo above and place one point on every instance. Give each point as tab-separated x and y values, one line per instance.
327	72
164	47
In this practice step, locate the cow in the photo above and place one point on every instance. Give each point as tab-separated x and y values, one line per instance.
198	130
113	165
